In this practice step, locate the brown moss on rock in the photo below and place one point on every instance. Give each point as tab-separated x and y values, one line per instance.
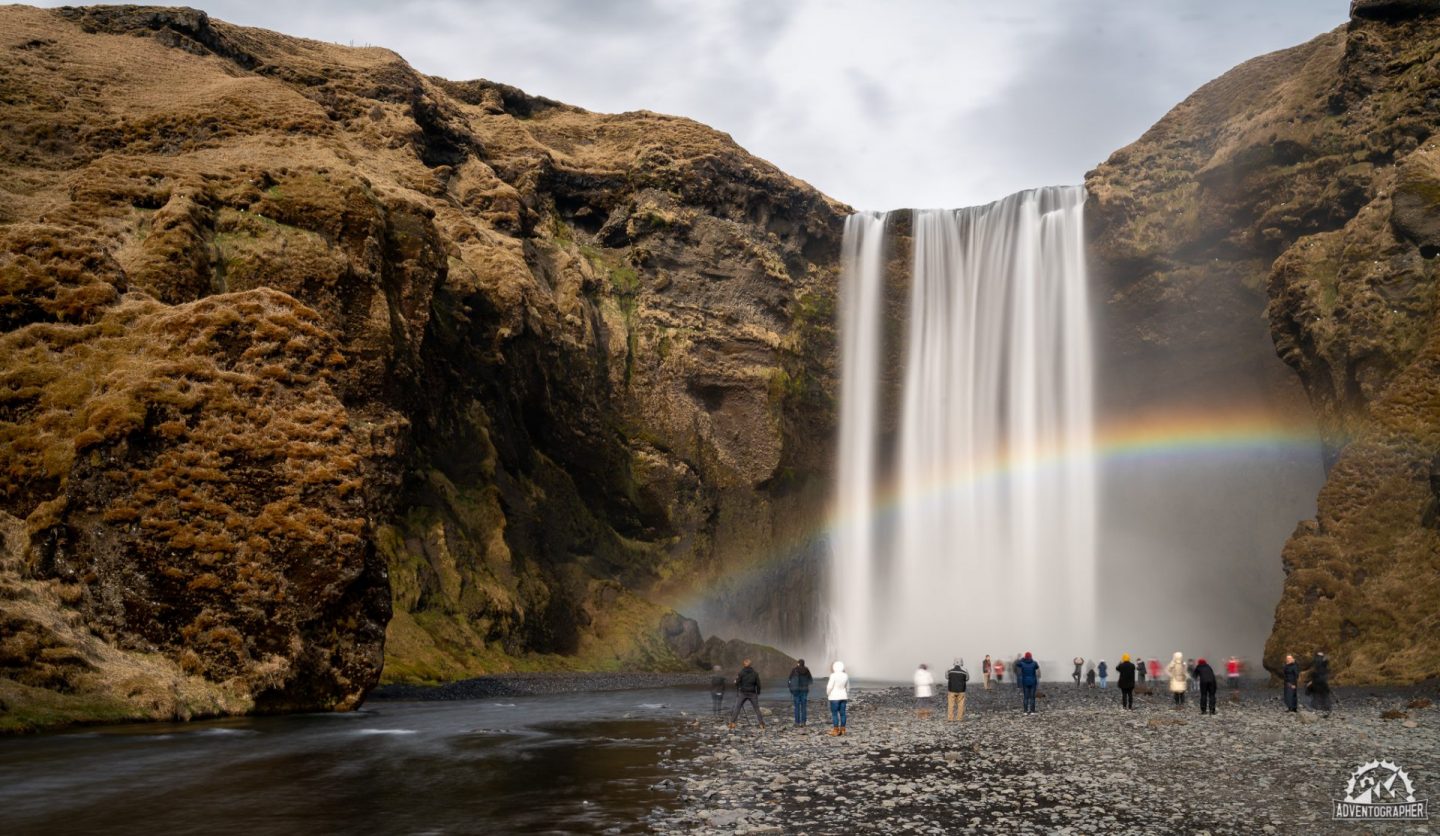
277	313
1298	184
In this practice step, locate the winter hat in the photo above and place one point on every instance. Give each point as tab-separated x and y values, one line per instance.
1027	654
1199	661
960	661
1124	657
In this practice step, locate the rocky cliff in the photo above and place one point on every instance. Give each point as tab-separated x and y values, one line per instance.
1305	186
310	361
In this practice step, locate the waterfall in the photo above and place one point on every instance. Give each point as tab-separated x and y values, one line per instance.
965	510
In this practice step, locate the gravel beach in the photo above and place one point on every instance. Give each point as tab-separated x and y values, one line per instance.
1082	764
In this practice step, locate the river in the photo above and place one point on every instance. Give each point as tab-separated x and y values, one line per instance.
555	763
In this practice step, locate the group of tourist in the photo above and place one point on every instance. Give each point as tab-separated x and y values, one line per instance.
1182	675
747	689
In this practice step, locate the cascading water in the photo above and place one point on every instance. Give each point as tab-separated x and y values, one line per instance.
979	535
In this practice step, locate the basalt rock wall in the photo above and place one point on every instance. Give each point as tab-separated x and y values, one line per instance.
313	365
1303	187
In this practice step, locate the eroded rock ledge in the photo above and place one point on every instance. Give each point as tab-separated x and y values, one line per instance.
288	326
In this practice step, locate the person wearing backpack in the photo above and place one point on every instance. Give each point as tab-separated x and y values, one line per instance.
799	685
955	680
747	689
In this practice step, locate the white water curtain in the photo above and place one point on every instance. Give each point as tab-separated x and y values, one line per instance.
981	537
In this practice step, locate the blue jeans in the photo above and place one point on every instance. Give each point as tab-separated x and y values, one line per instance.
1102	682
1029	696
802	705
837	712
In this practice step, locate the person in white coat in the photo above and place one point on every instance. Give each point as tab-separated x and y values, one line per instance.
924	691
1179	678
837	691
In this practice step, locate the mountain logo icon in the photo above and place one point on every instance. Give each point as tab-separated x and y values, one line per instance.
1380	790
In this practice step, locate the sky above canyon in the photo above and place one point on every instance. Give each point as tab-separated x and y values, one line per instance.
878	104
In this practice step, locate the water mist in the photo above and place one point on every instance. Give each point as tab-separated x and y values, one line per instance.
980	534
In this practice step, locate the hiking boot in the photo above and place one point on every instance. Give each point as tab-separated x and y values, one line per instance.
842	731
834	731
729	725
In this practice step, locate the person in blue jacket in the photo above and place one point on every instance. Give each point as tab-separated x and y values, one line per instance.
1027	672
799	683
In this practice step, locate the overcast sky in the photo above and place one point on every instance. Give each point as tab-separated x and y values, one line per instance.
878	104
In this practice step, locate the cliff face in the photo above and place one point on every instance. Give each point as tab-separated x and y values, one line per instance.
294	335
1305	185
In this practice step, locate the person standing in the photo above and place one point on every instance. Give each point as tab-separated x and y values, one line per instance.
799	684
1027	675
837	691
1126	670
924	691
1015	670
1232	672
717	690
1291	673
1079	663
1320	683
1140	668
1205	676
1178	678
955	681
1104	672
999	668
1190	669
1155	669
985	671
747	689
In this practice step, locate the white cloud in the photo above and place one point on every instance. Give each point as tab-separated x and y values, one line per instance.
879	104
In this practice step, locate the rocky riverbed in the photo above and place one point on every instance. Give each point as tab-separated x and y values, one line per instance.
1080	765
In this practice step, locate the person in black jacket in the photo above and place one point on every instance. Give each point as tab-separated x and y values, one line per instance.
1140	668
747	689
1291	673
955	681
1320	683
799	684
1126	672
1206	677
717	690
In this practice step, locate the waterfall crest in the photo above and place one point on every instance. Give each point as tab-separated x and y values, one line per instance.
966	510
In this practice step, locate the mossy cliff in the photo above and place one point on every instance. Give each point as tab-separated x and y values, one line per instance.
1304	187
302	348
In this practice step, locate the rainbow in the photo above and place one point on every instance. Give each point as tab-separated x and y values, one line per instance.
1209	433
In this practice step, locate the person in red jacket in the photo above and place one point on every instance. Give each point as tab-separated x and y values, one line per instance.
1232	672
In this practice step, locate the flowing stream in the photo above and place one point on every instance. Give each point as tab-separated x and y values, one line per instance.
571	763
